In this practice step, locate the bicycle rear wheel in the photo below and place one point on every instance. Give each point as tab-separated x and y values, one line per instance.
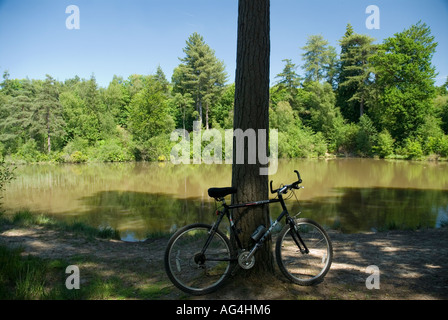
193	270
304	268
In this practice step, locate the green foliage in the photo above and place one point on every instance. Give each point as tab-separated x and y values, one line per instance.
321	108
288	78
6	175
441	110
149	114
355	76
413	149
345	138
155	149
29	151
201	75
406	79
372	100
385	144
78	157
366	136
319	59
111	150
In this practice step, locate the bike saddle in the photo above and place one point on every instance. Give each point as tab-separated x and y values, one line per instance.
220	192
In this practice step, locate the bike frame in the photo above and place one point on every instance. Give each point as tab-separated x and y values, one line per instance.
228	212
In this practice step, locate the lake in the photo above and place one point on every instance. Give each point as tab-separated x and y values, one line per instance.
144	199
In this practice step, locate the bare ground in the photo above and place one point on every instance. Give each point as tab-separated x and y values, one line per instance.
413	265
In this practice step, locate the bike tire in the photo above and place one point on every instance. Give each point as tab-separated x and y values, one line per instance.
304	268
192	272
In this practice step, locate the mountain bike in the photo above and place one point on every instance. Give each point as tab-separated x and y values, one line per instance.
199	257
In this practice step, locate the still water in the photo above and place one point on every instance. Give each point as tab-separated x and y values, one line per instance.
142	199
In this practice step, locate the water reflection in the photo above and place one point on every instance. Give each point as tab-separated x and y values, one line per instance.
140	215
376	209
148	198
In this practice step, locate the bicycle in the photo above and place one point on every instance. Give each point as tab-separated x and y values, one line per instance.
199	257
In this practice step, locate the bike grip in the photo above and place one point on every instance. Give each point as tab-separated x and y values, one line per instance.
298	176
271	187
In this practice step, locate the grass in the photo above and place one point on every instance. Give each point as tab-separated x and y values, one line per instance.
32	278
26	277
25	218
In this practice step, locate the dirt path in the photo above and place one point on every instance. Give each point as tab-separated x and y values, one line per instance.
412	265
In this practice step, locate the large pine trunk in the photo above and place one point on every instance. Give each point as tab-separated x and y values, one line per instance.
251	111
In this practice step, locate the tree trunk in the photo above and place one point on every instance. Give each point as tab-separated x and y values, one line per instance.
47	119
361	107
251	111
206	116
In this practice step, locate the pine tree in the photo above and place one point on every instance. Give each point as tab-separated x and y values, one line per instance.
251	111
356	74
289	78
15	114
320	59
46	113
203	75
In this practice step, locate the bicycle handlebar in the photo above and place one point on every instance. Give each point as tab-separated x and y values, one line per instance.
294	185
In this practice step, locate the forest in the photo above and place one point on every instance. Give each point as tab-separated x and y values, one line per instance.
360	100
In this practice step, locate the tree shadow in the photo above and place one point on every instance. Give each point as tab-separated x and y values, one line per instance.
354	210
139	215
412	264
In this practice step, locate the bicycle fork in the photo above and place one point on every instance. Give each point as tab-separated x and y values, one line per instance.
294	233
296	236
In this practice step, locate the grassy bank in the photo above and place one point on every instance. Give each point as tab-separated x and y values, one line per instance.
25	218
27	277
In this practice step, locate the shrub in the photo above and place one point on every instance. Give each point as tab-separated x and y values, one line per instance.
443	146
29	151
155	148
6	175
385	144
301	142
78	157
413	149
111	151
366	136
437	145
345	138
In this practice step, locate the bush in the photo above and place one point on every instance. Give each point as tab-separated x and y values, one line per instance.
413	149
29	151
78	157
111	151
301	142
385	144
155	148
438	145
366	136
345	138
6	175
443	146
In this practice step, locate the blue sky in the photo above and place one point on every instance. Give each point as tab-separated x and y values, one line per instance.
136	36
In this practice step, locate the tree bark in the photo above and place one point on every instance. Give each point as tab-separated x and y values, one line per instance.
251	111
47	119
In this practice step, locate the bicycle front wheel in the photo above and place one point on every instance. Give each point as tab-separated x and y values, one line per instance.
198	261
304	268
